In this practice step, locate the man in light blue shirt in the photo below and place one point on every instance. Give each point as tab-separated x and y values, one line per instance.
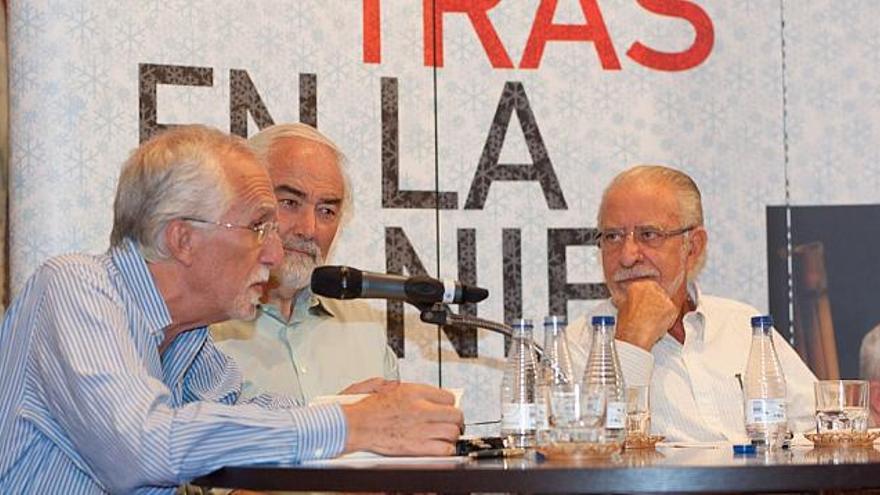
300	344
108	376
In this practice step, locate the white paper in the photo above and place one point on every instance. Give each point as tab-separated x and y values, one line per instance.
362	459
352	398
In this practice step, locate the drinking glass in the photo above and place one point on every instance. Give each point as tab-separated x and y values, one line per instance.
638	411
841	406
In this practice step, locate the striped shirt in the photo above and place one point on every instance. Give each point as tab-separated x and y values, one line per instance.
90	406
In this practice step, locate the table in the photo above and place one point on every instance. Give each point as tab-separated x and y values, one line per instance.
671	470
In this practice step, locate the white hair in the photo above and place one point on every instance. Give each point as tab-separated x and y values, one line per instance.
263	142
177	173
690	202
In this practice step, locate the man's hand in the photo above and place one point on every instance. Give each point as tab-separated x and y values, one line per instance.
644	313
369	386
404	419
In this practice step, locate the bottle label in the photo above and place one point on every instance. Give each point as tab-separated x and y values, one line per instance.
541	420
564	407
615	416
515	416
765	411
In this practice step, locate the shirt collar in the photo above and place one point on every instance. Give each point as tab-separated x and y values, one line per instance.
137	278
305	301
695	320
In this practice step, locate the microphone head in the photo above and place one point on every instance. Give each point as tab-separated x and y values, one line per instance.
337	282
473	294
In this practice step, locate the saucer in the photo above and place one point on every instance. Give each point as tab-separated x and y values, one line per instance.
843	439
643	441
578	450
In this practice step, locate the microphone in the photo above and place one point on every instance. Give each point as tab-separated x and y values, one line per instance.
345	282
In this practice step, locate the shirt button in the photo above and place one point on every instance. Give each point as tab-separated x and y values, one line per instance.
303	369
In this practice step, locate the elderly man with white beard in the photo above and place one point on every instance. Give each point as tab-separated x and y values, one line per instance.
300	344
689	347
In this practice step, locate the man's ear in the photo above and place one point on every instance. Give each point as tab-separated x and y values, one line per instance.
697	245
179	241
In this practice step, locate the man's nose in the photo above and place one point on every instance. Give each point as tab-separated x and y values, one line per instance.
272	252
305	224
630	250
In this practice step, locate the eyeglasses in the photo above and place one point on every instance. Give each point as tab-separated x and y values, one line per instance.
653	237
262	229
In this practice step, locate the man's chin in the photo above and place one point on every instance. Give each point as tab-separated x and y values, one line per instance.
624	285
246	312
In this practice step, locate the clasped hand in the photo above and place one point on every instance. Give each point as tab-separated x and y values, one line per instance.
644	313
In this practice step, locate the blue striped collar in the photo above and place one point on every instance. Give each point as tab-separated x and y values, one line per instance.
137	278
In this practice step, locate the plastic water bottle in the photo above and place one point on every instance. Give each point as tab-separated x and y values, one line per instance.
603	390
556	375
557	389
764	388
518	387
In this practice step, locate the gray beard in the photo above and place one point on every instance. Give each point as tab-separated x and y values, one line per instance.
295	271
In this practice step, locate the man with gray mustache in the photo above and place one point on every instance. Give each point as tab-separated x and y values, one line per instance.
300	344
689	347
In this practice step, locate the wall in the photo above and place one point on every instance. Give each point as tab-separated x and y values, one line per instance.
474	154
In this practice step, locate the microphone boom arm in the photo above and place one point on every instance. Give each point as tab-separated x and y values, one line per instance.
440	314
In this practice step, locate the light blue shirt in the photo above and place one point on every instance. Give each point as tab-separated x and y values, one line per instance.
325	346
89	405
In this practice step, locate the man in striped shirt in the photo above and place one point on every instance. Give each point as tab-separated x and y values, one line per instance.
109	379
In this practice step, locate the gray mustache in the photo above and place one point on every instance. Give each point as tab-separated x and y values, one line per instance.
302	245
629	273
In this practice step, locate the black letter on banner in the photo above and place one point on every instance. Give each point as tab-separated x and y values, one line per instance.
399	254
489	170
244	99
152	75
560	291
308	99
392	195
511	256
464	339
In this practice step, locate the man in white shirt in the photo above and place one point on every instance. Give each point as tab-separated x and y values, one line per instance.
689	347
300	344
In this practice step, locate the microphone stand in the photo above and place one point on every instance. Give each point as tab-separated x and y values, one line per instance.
440	314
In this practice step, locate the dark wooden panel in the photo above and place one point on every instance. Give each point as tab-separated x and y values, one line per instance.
668	470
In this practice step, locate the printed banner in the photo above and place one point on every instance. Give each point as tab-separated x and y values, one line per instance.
479	134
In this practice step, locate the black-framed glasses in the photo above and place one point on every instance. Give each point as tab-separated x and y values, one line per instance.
262	229
644	235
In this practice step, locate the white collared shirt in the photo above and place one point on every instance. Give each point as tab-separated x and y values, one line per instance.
695	393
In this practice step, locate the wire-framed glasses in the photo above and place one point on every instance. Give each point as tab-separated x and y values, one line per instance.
262	229
644	235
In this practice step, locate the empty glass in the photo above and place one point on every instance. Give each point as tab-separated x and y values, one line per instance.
638	411
841	406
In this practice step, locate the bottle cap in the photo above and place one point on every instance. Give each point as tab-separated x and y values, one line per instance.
554	320
603	320
744	449
762	321
523	323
